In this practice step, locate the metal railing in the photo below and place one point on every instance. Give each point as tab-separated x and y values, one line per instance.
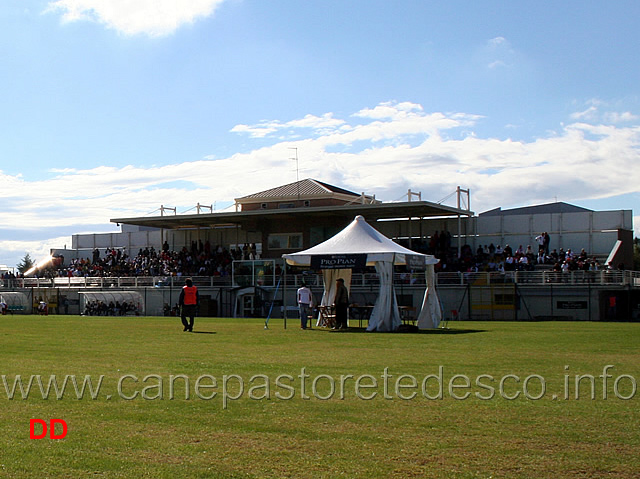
605	277
122	282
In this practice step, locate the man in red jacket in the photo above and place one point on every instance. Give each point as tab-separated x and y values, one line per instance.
188	302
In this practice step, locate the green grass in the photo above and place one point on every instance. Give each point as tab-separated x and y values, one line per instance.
348	437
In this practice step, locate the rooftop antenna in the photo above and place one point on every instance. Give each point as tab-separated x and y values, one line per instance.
297	170
164	208
201	207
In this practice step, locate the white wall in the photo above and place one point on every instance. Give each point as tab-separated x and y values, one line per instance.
595	231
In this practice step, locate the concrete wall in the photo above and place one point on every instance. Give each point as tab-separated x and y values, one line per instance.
595	231
131	241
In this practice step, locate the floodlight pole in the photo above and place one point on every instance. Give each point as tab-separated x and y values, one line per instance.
459	192
297	170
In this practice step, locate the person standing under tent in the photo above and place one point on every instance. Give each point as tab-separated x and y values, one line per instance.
188	302
341	304
305	303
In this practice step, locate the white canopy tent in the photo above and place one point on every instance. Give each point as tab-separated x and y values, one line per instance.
361	242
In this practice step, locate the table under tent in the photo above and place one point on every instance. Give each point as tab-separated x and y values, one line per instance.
360	244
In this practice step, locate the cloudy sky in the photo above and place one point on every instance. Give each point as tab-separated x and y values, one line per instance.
112	108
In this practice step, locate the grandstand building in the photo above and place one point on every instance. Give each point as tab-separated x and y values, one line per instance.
263	226
302	214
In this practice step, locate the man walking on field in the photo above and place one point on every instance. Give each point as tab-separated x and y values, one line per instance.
188	302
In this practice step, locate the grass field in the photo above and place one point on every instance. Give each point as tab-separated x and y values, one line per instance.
360	418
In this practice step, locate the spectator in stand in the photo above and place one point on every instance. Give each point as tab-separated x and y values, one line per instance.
509	263
540	242
434	243
547	242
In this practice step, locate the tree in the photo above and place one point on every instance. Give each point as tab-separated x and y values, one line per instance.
26	264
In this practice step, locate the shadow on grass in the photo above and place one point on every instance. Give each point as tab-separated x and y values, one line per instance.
419	331
203	332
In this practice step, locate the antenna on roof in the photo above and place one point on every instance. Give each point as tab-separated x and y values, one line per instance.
297	170
164	208
201	207
411	194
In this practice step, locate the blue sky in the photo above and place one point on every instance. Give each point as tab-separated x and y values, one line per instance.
114	107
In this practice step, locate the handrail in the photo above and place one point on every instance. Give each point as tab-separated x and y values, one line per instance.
530	278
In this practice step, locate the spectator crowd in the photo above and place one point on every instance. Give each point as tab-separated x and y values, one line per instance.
199	260
489	257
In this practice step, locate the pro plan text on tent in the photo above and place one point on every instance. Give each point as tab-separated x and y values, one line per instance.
339	261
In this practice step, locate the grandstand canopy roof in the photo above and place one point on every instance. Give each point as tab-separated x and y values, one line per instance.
548	208
324	214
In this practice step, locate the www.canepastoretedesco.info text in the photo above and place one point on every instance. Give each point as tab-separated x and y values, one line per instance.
388	385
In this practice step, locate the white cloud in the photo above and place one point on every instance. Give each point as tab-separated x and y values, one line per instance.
259	131
498	42
319	124
620	117
390	110
497	53
36	249
590	113
131	17
600	111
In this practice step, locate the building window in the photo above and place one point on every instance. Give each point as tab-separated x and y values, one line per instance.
263	206
285	241
286	205
307	203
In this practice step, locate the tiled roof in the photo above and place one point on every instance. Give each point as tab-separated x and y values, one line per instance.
307	187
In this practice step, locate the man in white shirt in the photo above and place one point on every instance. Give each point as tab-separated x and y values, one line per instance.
305	302
540	241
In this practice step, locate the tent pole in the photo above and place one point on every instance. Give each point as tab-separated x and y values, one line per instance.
275	293
284	293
